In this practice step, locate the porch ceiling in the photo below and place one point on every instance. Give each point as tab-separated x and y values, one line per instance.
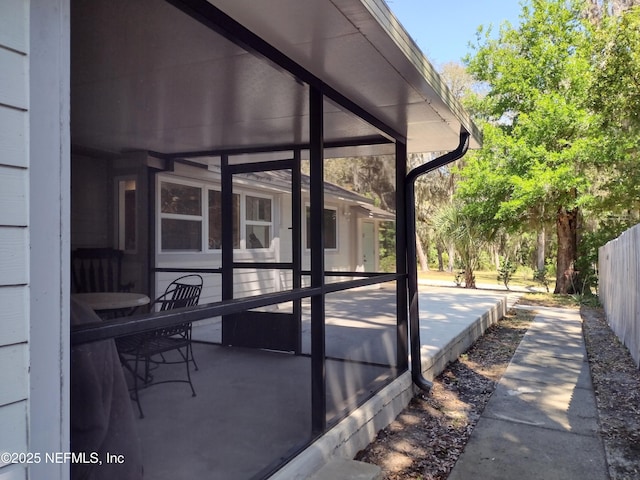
146	76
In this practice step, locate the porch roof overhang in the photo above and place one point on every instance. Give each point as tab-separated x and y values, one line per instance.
359	48
145	76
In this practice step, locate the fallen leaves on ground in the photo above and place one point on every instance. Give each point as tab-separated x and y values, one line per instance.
427	438
616	382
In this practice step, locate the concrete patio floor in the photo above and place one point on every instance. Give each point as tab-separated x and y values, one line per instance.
253	407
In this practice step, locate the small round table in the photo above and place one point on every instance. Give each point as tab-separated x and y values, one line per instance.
113	301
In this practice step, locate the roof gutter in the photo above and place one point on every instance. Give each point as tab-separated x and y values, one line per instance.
412	267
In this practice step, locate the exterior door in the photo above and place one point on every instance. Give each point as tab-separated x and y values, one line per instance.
368	247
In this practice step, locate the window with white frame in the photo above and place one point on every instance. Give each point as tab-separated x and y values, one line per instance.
191	217
180	217
330	223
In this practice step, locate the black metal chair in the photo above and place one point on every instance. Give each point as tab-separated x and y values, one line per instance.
149	348
97	270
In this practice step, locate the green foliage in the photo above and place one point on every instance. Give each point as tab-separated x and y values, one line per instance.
388	263
616	92
615	95
505	271
452	224
387	239
387	242
541	275
541	153
591	241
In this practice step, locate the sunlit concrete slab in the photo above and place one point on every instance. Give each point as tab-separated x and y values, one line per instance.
550	370
507	450
344	469
451	320
545	345
542	420
560	406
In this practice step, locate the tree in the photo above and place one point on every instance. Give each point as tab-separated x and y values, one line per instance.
597	10
468	238
539	151
432	191
616	97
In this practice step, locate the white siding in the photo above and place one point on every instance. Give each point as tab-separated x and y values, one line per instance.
246	282
13	328
13	436
13	256
13	79
13	24
14	356
14	218
13	196
13	136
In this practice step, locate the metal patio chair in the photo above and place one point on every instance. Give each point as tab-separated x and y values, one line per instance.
148	349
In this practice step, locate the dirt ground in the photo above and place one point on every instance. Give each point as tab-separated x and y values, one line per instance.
616	381
427	438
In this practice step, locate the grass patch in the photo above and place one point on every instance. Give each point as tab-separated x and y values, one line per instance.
549	300
522	277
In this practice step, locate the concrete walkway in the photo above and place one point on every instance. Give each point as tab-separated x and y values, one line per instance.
542	421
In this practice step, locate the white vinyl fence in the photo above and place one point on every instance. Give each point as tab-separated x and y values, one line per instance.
619	287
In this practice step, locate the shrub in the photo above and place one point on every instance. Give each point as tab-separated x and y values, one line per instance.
506	271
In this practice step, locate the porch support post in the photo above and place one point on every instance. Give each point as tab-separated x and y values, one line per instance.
402	338
226	196
318	372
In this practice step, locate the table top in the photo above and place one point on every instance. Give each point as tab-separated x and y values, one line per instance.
112	300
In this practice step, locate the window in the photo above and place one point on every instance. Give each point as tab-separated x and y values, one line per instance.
191	218
215	220
181	217
330	223
257	222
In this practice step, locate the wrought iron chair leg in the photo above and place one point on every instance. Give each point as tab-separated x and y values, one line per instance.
193	392
135	386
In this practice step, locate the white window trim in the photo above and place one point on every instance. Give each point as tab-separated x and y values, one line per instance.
202	218
205	187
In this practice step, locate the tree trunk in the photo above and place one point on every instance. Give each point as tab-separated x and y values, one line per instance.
440	259
469	279
541	249
566	223
452	258
422	259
